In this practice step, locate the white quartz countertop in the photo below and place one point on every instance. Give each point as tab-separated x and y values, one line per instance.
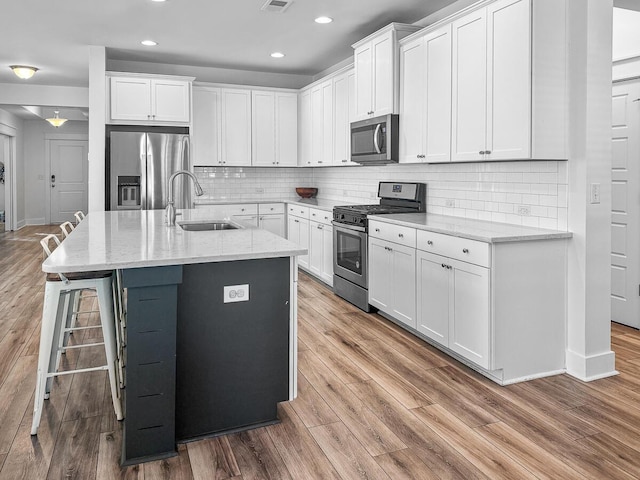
133	239
484	231
322	204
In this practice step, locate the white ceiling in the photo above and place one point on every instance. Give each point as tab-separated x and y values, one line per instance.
54	35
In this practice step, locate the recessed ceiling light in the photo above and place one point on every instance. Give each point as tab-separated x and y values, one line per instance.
324	20
149	43
158	1
277	55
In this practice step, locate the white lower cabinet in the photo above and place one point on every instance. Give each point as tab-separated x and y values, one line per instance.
453	305
298	232
321	250
271	218
311	229
392	273
500	307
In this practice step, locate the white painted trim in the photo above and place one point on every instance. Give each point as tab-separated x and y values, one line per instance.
21	224
47	165
34	221
11	199
293	329
533	377
593	367
150	76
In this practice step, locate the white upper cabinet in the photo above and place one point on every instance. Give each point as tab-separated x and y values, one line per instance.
205	131
509	84
469	129
343	103
425	98
376	71
263	128
235	137
304	157
321	129
147	100
286	129
274	119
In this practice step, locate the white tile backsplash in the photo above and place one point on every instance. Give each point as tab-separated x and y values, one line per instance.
488	191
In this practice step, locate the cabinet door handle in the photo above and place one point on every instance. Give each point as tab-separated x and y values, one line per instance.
429	242
482	152
319	227
465	250
296	221
488	152
319	161
444	266
344	161
378	230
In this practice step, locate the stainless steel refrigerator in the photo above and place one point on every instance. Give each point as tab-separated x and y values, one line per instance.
140	164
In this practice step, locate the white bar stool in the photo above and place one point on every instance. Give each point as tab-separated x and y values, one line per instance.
55	313
79	216
67	228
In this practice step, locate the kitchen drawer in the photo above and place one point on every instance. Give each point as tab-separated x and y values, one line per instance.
298	211
270	208
228	210
322	216
393	233
471	251
242	209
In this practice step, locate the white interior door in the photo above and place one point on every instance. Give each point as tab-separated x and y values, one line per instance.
68	179
625	205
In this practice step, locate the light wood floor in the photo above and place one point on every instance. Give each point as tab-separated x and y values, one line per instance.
374	403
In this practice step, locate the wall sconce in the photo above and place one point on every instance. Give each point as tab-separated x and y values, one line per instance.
56	121
23	71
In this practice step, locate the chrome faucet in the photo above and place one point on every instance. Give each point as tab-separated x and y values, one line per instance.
170	212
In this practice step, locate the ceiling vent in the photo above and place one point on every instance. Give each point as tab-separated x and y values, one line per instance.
276	6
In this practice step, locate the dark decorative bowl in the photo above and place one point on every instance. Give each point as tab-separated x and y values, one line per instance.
306	192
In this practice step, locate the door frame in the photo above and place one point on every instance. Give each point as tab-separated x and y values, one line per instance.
47	165
10	155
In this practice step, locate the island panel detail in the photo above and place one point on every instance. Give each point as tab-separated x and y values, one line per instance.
232	358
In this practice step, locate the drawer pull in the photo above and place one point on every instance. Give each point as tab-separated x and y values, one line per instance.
465	250
319	227
401	235
444	266
429	242
378	230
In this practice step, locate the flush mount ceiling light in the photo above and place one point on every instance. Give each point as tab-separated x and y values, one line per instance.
23	71
56	121
149	43
324	20
277	55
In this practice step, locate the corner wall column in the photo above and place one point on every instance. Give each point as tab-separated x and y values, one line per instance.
589	354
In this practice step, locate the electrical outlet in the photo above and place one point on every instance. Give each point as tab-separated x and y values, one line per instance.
259	190
524	210
450	202
595	193
236	293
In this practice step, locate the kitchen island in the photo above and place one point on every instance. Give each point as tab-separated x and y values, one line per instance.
211	323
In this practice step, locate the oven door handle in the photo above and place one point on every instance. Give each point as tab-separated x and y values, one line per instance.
375	137
348	227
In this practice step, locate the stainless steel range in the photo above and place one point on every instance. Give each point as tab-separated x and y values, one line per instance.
350	236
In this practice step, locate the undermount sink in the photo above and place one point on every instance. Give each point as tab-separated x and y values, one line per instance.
196	226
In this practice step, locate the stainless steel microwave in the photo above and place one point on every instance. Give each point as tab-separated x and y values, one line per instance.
375	141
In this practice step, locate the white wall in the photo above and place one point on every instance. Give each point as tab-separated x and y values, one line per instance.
36	186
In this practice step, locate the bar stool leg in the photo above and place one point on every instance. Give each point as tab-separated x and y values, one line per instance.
63	311
49	312
107	318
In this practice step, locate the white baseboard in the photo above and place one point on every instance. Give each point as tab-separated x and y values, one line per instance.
35	221
21	224
593	367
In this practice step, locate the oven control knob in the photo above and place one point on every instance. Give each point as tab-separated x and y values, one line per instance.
342	217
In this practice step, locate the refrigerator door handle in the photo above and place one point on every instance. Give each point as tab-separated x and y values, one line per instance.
142	153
